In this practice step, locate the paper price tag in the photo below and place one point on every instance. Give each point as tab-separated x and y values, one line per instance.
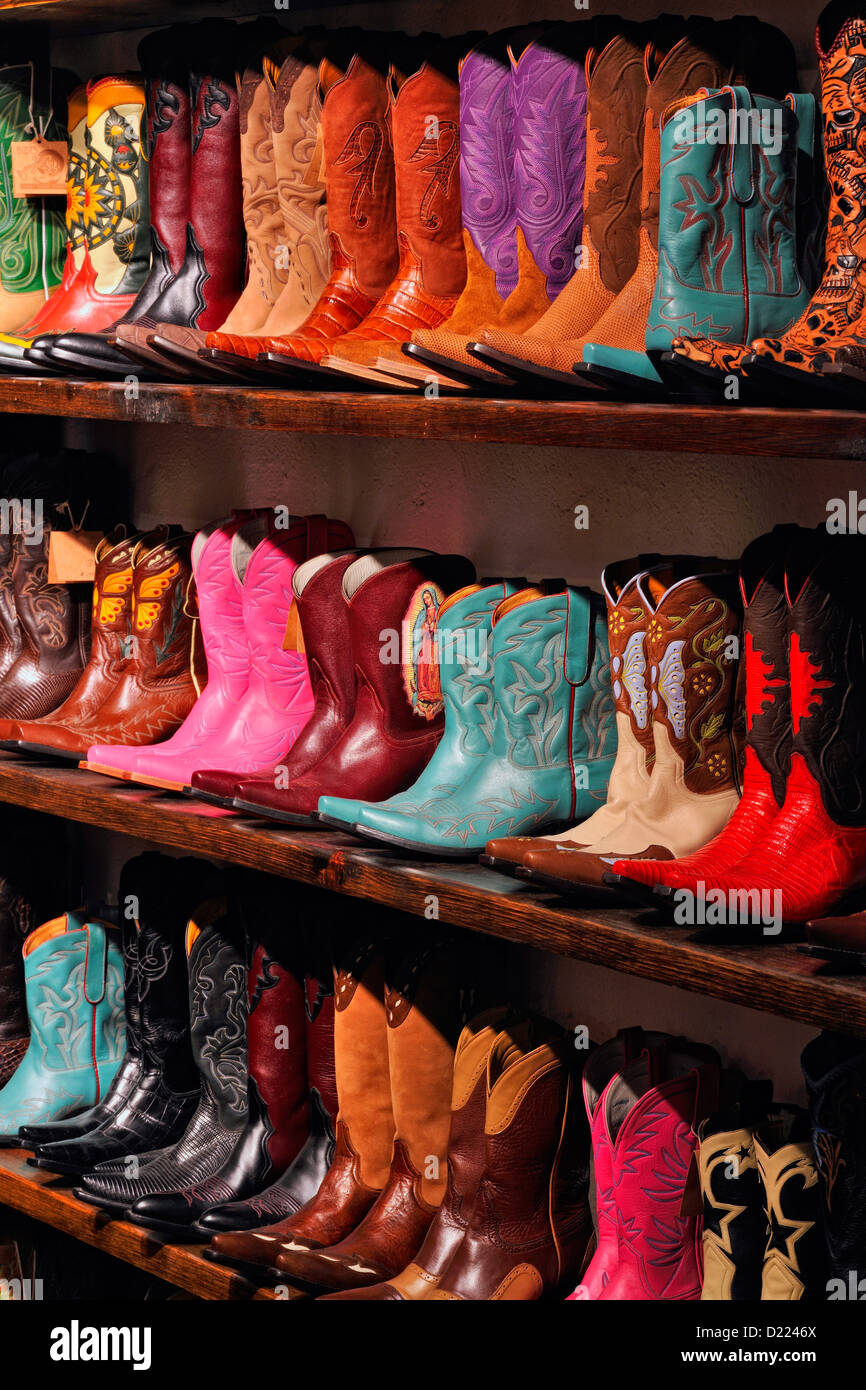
72	556
39	168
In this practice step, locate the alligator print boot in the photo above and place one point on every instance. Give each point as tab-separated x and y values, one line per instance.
73	971
164	669
306	1173
116	216
834	1068
464	633
812	855
795	1255
150	1108
164	58
530	1224
218	1029
522	173
31	252
317	590
359	1170
63	732
277	1097
552	749
833	324
768	722
392	598
693	638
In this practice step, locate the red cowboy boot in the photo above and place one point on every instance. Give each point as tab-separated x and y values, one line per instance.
768	723
398	717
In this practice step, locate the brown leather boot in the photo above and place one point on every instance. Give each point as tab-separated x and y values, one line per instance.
163	669
358	160
422	1005
695	698
300	258
530	1225
365	1121
59	731
465	1167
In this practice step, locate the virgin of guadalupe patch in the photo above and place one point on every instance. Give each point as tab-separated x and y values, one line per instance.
420	651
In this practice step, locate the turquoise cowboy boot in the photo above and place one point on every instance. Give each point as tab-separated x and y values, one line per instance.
466	681
73	972
730	258
554	735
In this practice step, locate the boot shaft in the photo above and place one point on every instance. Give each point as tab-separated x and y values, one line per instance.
218	1009
549	95
365	1117
795	1257
78	196
118	242
766	638
735	1220
318	593
164	59
841	57
487	183
834	1069
73	972
296	110
165	641
32	243
54	618
464	642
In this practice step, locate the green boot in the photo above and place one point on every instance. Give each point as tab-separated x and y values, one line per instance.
32	229
73	972
554	735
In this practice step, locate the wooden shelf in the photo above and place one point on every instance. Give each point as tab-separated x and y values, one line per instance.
50	1199
770	976
829	434
64	16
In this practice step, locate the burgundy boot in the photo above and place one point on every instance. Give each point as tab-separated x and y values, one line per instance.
392	599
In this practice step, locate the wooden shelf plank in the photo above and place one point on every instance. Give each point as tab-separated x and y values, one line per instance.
759	973
50	1199
64	16
691	429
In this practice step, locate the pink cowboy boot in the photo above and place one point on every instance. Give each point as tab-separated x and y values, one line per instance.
602	1070
651	1112
256	727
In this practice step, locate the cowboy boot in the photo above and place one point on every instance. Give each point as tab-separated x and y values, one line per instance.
601	1072
616	85
731	186
259	728
12	346
735	1221
423	990
425	129
465	1167
57	733
218	1030
22	479
31	259
163	671
358	160
54	624
116	212
627	621
522	171
832	324
464	632
277	1098
651	1113
834	1068
693	638
317	589
795	1256
398	703
812	854
528	1229
305	1174
210	280
164	58
300	262
768	721
73	972
152	1109
362	1155
552	747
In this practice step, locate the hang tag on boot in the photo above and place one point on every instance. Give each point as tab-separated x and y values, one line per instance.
72	556
293	641
39	168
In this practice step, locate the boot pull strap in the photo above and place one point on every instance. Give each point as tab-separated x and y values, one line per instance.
95	962
317	535
706	1093
805	108
580	614
632	1043
742	154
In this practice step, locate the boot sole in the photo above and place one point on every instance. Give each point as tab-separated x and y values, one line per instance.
258	1274
44	750
647	894
853	961
118	772
541	379
161	782
309	375
792	386
288	817
496	384
429	851
74	1170
117	1209
501	866
187	1232
210	797
229	364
